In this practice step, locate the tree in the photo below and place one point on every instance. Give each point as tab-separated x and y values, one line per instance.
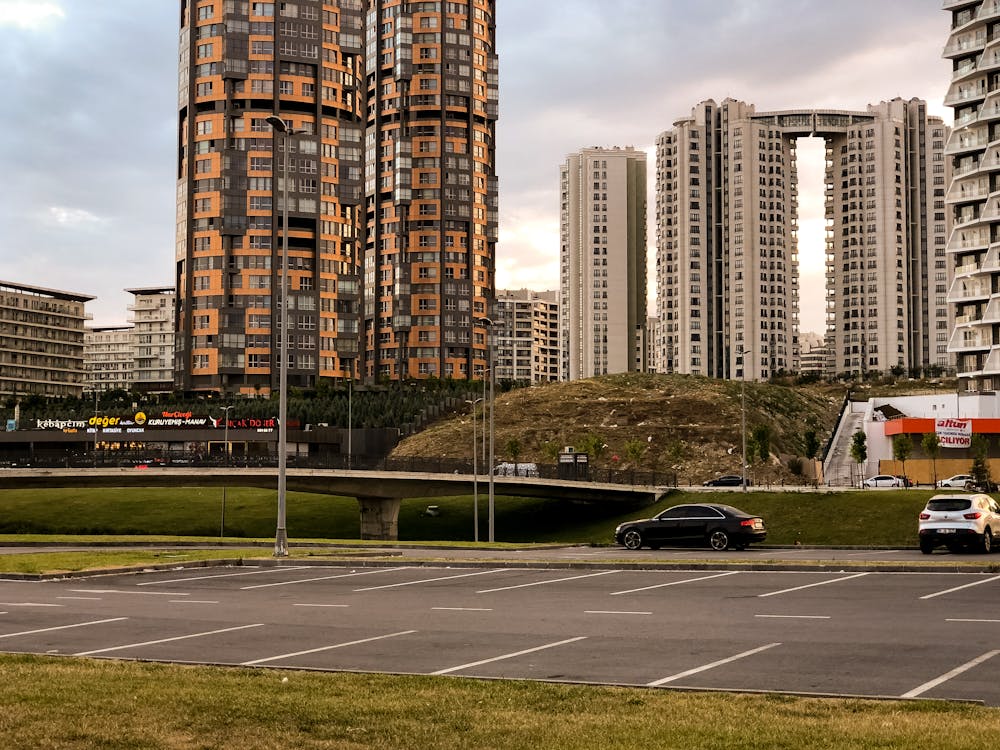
859	450
514	449
902	447
811	444
931	444
980	465
762	440
634	450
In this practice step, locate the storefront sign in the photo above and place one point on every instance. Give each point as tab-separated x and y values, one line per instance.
953	432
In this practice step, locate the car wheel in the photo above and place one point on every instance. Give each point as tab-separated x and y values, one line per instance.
986	543
926	547
632	539
718	540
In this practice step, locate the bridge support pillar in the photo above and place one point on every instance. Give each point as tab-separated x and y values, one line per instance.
380	518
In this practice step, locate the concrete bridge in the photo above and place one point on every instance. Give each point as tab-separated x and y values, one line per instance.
379	493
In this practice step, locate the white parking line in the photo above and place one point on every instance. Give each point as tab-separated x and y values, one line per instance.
811	585
462	609
959	588
675	583
460	667
795	617
339	606
28	604
953	673
63	627
223	575
325	648
167	640
430	580
192	601
133	593
612	612
713	665
545	583
82	598
321	578
957	619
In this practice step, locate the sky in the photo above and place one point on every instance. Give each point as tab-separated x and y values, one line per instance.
87	198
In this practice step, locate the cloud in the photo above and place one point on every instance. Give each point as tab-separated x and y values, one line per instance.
75	218
28	14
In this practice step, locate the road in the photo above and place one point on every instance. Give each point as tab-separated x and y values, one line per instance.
903	635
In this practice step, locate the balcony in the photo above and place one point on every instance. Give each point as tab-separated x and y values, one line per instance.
966	339
968	289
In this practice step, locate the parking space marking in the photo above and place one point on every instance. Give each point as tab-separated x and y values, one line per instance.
795	617
326	648
713	665
322	578
675	583
949	675
612	612
460	667
341	606
193	601
959	588
222	575
134	593
82	598
63	627
462	609
811	585
167	640
957	619
28	604
430	580
545	583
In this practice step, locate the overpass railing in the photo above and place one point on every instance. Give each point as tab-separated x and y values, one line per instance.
414	465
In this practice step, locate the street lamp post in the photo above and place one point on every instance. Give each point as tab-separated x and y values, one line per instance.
489	466
281	534
475	472
222	523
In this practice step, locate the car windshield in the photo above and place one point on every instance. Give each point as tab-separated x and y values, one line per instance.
951	503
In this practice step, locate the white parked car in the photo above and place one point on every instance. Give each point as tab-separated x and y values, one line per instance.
882	480
958	521
959	481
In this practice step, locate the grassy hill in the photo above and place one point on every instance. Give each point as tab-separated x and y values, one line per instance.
687	424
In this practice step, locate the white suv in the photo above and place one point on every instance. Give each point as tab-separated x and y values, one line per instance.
959	520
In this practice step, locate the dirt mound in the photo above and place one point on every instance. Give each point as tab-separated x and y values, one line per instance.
685	424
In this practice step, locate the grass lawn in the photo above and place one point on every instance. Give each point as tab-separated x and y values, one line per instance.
852	517
71	703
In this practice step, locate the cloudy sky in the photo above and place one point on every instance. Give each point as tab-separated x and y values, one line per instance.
89	90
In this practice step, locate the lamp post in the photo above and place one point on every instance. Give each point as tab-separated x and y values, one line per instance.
489	467
350	415
281	534
475	472
222	523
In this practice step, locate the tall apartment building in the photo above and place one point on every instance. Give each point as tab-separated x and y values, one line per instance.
727	245
152	338
974	196
431	187
602	263
41	341
526	336
390	106
108	357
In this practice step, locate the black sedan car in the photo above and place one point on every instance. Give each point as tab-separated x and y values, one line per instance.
718	526
727	480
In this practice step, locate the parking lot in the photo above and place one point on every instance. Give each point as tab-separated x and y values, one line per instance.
903	635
